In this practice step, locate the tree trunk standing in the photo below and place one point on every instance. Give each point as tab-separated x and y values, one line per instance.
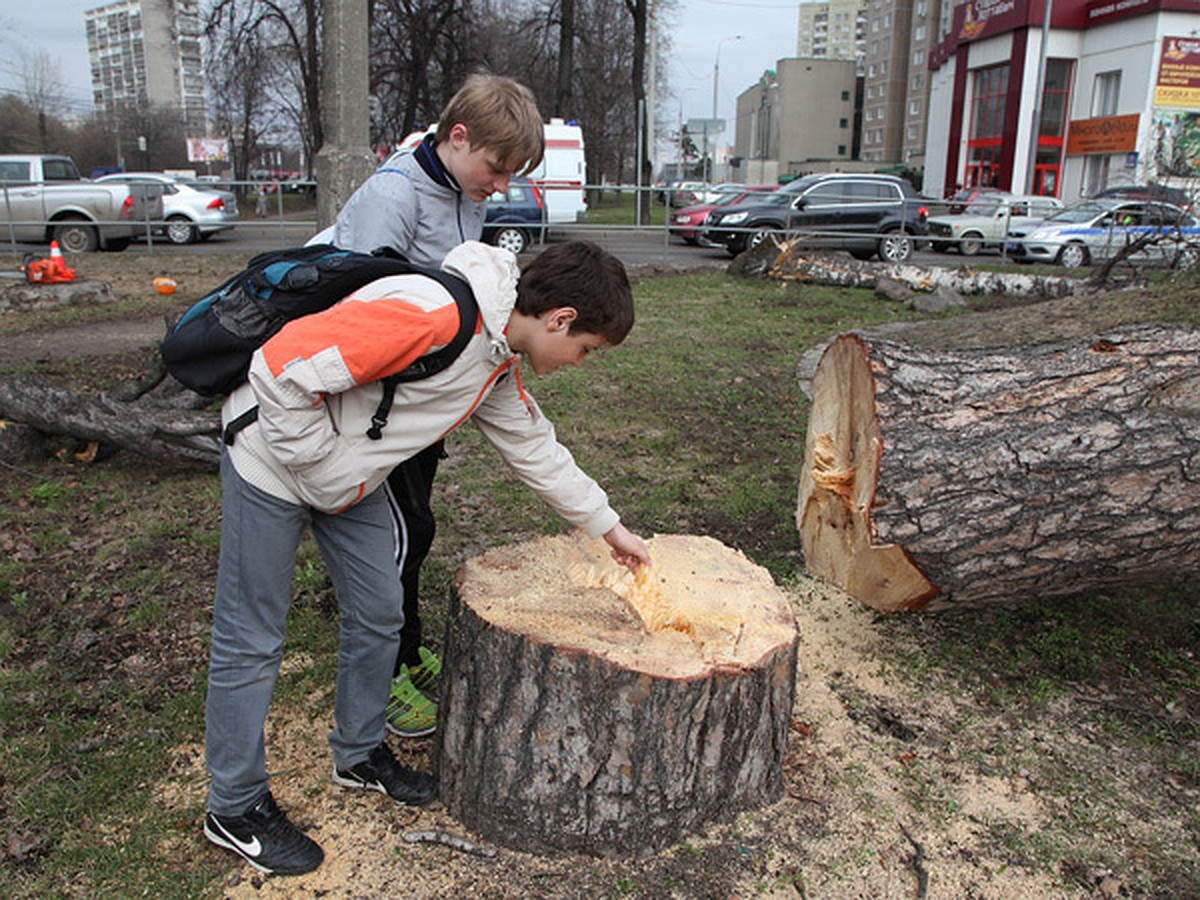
584	709
940	478
563	107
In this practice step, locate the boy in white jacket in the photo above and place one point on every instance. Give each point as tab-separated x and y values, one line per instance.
308	462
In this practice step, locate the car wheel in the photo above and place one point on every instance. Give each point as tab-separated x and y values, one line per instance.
1185	258
1073	255
757	237
970	245
76	236
511	239
690	241
180	230
895	247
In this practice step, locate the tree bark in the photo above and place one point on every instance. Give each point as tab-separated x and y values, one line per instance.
160	424
589	710
934	479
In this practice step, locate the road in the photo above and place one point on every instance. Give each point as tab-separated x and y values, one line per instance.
648	247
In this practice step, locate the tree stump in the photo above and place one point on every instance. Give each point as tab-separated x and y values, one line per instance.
589	710
958	478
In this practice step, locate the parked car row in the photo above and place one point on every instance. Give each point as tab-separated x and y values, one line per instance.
875	215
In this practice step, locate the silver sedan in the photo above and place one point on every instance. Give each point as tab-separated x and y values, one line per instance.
190	212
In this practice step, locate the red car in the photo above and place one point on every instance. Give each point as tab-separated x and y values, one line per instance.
686	222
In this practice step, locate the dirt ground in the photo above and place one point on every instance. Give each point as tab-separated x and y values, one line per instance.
899	784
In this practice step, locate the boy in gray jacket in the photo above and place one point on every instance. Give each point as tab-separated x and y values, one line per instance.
307	462
422	203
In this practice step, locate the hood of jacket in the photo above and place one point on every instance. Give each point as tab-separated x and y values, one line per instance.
492	274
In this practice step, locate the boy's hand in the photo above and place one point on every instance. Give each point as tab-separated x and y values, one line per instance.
627	548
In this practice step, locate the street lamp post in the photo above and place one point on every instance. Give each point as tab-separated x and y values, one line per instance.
716	75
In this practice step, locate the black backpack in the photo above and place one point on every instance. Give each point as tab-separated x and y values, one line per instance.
210	347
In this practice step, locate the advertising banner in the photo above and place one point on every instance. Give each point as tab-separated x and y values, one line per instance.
1178	82
1175	144
207	150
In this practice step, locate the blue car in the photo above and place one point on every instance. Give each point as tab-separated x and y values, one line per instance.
515	217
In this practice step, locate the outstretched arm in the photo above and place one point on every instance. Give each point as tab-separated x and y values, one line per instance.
627	548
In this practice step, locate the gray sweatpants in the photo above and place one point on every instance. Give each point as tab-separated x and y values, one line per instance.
259	537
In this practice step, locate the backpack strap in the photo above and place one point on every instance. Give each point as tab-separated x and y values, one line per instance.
431	363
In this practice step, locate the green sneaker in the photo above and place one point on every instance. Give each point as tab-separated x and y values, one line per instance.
410	713
425	673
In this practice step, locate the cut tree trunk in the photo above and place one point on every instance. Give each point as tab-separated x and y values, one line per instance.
589	710
935	478
794	261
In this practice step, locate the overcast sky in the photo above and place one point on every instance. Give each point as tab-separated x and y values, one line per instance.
767	29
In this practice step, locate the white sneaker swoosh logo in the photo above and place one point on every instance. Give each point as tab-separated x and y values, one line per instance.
250	848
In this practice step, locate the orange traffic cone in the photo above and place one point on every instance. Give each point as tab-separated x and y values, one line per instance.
59	265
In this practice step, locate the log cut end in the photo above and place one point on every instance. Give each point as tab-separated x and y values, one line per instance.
837	488
587	709
700	605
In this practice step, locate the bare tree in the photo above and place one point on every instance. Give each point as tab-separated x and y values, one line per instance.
416	57
289	33
43	87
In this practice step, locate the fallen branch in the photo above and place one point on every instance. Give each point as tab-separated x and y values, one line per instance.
155	427
918	864
452	841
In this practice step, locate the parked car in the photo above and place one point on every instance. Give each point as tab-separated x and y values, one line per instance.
1153	191
515	217
867	215
687	222
1096	230
985	222
684	193
190	212
966	196
43	198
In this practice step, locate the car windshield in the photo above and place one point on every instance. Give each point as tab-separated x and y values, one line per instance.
1082	212
726	198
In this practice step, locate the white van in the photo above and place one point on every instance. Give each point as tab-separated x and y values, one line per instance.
562	174
560	177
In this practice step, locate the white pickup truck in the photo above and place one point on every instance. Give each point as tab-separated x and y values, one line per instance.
43	198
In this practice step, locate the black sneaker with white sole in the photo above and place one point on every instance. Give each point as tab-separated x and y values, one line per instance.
264	837
380	772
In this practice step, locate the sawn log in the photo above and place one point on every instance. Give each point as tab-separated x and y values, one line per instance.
934	479
585	709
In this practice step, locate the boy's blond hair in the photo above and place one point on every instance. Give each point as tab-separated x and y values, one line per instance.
501	115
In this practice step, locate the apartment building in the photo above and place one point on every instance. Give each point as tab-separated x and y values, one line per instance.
798	118
832	30
901	34
147	53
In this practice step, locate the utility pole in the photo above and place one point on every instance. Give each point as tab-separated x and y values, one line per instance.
345	160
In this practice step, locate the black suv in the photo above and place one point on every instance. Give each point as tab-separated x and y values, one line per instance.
864	214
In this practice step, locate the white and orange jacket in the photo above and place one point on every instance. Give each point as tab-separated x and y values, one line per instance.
316	384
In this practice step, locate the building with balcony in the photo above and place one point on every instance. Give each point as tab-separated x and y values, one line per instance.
147	53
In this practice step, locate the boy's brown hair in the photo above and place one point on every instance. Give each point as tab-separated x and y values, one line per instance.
582	275
501	115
